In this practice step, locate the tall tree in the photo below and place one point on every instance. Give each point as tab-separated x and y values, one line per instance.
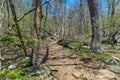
1	13
17	26
95	21
63	18
37	27
111	13
1	24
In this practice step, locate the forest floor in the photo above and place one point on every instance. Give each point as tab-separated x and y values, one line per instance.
68	65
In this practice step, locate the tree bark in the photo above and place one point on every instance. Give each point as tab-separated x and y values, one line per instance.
111	13
96	27
38	31
38	18
17	26
1	24
63	26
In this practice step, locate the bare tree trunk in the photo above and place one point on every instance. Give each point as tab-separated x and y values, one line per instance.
112	31
1	23
8	12
35	50
17	25
37	27
0	31
63	19
36	17
1	16
46	12
96	27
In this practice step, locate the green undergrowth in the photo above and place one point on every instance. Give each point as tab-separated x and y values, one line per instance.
70	44
109	46
94	57
84	51
17	74
13	39
80	45
10	42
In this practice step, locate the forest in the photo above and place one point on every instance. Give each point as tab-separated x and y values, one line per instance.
59	39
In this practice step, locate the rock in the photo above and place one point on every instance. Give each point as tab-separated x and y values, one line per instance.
51	78
114	68
42	72
76	74
26	57
118	41
104	74
116	58
111	61
74	56
12	66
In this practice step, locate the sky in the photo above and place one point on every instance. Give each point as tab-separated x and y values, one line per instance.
73	2
70	1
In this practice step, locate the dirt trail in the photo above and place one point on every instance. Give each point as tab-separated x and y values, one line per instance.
66	63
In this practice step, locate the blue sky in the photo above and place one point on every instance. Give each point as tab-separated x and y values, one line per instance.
104	6
73	2
70	1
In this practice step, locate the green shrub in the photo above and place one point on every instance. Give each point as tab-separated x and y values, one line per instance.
13	75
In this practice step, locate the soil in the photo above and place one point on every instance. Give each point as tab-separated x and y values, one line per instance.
67	63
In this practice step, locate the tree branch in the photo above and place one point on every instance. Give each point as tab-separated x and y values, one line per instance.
19	19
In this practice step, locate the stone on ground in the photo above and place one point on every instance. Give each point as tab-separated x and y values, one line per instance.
76	74
104	74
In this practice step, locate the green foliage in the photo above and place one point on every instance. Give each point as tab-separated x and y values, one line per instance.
94	56
111	25
12	39
7	37
13	75
70	44
84	51
101	56
113	47
29	41
83	77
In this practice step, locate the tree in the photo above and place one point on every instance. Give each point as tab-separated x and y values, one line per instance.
96	27
1	23
17	26
113	31
63	19
37	26
1	14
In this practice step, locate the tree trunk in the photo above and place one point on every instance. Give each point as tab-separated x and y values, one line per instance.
96	27
38	18
63	26
1	15
17	25
1	23
37	27
111	13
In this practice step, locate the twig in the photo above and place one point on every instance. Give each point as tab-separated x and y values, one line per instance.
30	11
